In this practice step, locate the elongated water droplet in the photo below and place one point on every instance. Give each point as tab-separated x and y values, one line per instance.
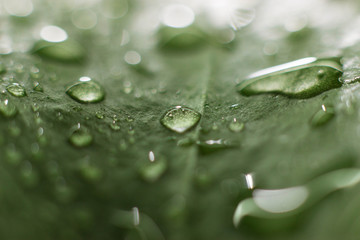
303	78
236	126
7	109
80	137
323	116
38	87
86	92
212	145
68	51
16	90
180	119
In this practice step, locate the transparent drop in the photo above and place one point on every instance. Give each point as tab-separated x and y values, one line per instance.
16	90
99	115
212	145
80	137
7	109
185	142
153	169
86	92
68	51
302	78
323	116
180	119
38	87
236	126
115	125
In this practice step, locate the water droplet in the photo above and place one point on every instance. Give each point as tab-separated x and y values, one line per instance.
180	119
53	34
185	142
99	115
115	125
80	137
132	57
241	17
7	109
19	8
236	126
91	173
298	79
16	90
114	8
28	174
86	92
212	145
12	155
38	87
68	51
84	18
323	116
153	169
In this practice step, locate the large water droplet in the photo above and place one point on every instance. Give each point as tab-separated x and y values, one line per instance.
303	78
16	90
86	92
80	137
323	116
180	119
66	51
7	109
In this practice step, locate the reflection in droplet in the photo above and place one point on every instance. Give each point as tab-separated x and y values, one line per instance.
86	91
136	215
323	116
249	181
178	16
53	34
84	19
132	57
298	79
151	156
180	119
213	145
7	109
19	8
16	90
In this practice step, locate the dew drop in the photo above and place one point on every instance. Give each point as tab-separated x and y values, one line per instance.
86	92
16	90
180	119
153	169
178	16
213	145
185	142
53	34
80	137
99	115
115	125
7	109
68	51
323	116
236	126
303	78
38	87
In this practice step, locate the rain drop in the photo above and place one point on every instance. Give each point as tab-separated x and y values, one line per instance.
323	116
80	137
86	92
236	126
298	79
7	109
180	119
16	90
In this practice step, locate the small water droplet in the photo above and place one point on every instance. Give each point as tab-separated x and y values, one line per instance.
38	87
7	109
91	173
28	174
115	125
235	106
80	137
153	169
212	145
323	116
35	73
298	79
12	156
16	90
185	142
236	126
86	92
99	115
180	119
